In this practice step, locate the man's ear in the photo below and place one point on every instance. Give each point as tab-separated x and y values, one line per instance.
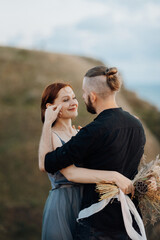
93	97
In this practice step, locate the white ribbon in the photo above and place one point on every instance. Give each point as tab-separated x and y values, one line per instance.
127	206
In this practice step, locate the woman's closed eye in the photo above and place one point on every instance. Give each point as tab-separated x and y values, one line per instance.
65	100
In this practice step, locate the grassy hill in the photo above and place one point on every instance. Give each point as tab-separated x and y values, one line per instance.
23	76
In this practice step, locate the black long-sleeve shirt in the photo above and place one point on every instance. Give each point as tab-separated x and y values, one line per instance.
113	141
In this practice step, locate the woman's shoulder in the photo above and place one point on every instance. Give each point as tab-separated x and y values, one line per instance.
56	140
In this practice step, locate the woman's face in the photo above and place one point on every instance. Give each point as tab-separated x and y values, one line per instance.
67	99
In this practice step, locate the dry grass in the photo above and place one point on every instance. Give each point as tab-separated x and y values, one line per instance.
23	76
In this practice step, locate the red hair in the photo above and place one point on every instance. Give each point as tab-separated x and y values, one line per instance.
49	94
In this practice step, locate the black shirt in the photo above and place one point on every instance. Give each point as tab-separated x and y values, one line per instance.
113	141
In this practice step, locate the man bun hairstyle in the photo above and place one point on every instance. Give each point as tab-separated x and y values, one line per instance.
112	78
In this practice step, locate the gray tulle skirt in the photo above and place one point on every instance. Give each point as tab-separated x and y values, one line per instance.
60	213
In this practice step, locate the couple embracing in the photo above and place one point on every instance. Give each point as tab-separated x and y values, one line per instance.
108	149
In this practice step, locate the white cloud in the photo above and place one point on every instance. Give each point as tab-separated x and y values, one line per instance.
120	32
31	18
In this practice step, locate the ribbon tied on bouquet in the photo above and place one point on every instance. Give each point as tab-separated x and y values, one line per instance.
127	207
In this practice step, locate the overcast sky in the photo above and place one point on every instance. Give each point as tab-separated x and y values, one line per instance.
121	33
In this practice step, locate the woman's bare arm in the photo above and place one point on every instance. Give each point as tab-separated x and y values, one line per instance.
45	144
84	175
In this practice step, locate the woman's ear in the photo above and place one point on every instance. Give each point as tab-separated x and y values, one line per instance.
93	97
48	104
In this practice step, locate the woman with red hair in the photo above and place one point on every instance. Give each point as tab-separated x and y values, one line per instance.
58	107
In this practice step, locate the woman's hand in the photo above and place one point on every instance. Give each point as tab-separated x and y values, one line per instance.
51	113
124	183
79	127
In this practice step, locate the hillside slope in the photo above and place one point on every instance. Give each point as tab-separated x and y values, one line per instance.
23	76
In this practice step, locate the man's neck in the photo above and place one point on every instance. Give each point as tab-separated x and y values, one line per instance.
103	105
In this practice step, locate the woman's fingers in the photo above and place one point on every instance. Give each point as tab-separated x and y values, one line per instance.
129	189
55	107
124	183
79	127
59	108
52	107
133	190
52	112
58	111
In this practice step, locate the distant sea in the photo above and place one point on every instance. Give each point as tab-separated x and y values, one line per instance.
150	93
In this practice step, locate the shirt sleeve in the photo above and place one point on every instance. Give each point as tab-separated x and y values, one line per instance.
72	152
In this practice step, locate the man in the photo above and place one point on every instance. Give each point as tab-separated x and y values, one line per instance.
113	141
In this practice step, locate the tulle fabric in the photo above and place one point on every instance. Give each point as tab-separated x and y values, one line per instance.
60	213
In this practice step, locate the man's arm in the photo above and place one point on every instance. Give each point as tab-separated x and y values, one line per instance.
73	152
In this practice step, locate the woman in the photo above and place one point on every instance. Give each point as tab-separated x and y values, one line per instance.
58	107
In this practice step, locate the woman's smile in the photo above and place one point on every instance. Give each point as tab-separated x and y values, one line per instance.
72	109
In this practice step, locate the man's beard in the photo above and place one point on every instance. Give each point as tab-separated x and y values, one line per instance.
90	107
